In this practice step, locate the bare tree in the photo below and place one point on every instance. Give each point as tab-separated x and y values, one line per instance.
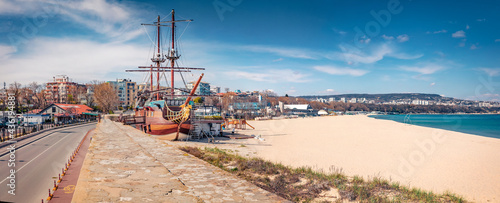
15	88
89	95
81	91
105	97
36	97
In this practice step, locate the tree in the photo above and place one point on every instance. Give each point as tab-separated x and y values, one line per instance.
89	95
105	97
38	97
198	100
15	88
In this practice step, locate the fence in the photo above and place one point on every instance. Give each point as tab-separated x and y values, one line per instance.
20	131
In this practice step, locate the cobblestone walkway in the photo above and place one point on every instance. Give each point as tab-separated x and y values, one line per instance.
126	165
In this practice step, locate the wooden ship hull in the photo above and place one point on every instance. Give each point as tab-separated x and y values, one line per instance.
157	121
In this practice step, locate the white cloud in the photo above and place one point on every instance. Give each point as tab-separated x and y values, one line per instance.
281	51
424	69
403	38
387	37
6	51
491	71
481	20
356	56
458	34
405	56
497	40
349	53
279	59
82	60
115	20
461	44
340	32
353	55
328	91
271	75
473	47
291	90
332	70
440	53
432	84
16	7
421	77
440	31
467	27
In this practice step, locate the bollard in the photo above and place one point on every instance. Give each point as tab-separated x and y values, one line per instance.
42	200
58	181
62	172
55	186
50	196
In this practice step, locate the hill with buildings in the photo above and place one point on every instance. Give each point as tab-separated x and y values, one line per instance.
398	98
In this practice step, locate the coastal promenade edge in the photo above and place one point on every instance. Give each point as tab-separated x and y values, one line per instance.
124	164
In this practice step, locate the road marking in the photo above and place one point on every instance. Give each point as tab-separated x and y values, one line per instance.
35	158
69	189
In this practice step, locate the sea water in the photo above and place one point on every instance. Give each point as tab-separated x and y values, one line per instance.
487	125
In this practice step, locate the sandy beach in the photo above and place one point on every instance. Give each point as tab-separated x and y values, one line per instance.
427	158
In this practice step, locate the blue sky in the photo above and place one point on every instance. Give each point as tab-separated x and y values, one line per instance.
292	47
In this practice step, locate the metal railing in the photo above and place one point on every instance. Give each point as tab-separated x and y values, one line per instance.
20	131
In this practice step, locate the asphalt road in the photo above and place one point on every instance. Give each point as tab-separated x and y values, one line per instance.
38	161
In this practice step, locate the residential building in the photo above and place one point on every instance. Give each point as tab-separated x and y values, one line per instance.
420	102
215	90
203	88
63	90
303	109
143	87
181	91
126	91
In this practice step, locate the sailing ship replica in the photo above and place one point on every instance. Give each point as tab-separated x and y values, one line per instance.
158	112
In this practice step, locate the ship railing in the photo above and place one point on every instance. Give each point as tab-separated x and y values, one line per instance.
129	120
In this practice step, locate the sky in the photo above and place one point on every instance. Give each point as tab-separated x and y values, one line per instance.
450	48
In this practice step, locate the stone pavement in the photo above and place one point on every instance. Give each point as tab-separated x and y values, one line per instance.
125	165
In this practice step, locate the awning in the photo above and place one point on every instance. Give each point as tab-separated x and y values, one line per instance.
92	114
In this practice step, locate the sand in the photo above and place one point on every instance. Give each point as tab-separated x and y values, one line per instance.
426	158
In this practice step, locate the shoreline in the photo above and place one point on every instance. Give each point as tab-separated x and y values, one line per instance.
428	158
454	128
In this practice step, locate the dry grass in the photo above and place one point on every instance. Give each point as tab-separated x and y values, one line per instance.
306	185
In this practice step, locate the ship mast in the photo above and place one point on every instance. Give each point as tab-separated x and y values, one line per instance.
171	55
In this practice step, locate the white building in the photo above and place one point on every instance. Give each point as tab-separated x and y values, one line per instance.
420	102
203	88
215	90
34	119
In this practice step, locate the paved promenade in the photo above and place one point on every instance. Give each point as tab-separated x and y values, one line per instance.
126	165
